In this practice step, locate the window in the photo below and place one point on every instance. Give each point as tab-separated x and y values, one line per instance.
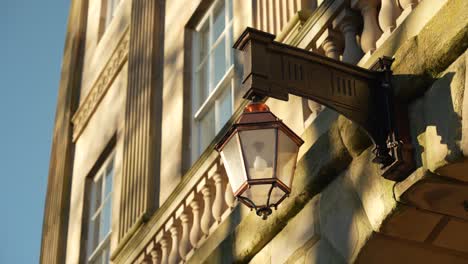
213	71
99	214
110	10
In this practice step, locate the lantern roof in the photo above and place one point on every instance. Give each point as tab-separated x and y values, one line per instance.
257	115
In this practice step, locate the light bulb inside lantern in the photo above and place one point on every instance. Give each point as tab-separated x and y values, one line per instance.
259	163
259	168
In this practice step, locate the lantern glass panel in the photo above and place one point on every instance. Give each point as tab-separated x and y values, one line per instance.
233	163
259	152
287	155
258	194
276	195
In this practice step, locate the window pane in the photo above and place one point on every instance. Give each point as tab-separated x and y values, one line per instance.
204	42
105	220
231	51
224	106
230	9
99	221
95	235
207	129
106	255
203	84
98	258
96	195
218	23
109	176
219	62
91	241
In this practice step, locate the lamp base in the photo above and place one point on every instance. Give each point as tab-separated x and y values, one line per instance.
264	212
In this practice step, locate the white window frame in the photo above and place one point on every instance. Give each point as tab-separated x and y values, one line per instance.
111	7
200	107
101	174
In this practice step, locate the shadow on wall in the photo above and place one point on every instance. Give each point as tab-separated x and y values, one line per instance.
436	124
354	205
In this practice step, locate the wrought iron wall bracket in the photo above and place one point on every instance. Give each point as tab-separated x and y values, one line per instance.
364	96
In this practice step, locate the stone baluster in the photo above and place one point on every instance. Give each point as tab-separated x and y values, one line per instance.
174	255
184	247
405	4
195	232
408	6
389	12
229	196
164	250
207	218
331	48
155	257
371	30
348	22
218	200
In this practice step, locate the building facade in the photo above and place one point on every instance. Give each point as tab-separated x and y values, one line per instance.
149	87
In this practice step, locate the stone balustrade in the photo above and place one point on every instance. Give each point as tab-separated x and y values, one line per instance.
347	32
202	209
350	31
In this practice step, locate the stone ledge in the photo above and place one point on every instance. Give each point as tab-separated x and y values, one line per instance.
422	58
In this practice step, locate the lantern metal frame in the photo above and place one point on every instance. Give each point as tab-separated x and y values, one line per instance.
257	116
366	97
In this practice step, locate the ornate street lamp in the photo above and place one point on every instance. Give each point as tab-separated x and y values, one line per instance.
259	153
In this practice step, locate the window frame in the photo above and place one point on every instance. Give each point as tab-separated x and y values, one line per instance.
110	12
211	102
107	16
107	165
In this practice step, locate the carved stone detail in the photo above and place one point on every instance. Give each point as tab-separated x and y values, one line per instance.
371	31
100	87
218	200
229	196
195	233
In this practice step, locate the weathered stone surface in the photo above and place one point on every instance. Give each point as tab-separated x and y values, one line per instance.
374	191
384	249
301	228
323	253
454	236
464	141
262	257
437	118
354	138
417	124
410	223
342	219
440	53
423	57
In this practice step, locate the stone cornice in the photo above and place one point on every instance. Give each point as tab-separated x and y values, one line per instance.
101	85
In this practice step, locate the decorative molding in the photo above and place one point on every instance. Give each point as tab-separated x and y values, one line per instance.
101	85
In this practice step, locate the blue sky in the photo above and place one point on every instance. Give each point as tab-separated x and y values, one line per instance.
31	46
